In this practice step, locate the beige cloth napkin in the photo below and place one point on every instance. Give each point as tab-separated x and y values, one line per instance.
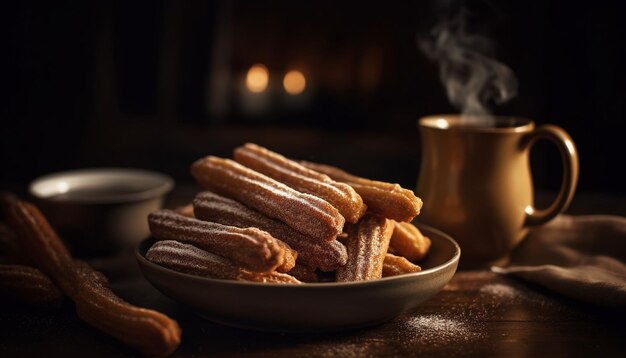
583	257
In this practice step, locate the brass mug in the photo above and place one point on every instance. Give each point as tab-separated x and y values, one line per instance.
476	183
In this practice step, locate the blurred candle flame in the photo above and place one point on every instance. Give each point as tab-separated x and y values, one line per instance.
294	82
257	78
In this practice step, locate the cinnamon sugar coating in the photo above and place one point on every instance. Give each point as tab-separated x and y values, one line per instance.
385	199
306	213
326	256
340	195
367	245
192	260
250	247
146	330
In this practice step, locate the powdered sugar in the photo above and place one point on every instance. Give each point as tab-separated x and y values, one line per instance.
501	291
350	350
464	324
509	294
440	328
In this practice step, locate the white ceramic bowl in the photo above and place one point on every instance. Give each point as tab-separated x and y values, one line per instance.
308	307
101	210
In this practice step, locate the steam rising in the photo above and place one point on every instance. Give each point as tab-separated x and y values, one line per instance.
473	78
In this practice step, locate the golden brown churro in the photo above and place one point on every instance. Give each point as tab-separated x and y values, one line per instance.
409	242
396	265
289	257
304	212
28	284
327	256
192	260
148	331
385	199
255	249
367	244
340	195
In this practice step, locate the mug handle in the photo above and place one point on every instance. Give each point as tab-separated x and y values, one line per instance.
569	155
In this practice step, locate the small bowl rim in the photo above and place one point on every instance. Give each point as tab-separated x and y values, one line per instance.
315	285
165	185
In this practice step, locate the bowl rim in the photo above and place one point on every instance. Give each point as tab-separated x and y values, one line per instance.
316	285
165	185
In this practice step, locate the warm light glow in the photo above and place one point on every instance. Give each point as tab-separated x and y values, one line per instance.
442	123
63	187
529	210
294	82
570	147
257	78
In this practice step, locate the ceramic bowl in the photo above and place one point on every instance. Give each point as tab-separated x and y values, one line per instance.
100	211
310	307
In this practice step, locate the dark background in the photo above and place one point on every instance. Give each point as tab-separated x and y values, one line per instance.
158	84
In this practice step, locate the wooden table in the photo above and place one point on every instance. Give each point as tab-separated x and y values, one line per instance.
477	314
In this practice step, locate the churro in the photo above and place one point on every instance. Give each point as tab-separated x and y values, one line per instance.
289	257
340	195
28	284
304	273
9	248
192	260
367	244
306	213
326	256
254	249
146	330
386	199
397	265
185	210
409	242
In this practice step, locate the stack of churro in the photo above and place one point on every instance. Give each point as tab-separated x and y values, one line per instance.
266	218
36	267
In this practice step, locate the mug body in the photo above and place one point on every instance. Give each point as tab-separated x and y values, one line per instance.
476	184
